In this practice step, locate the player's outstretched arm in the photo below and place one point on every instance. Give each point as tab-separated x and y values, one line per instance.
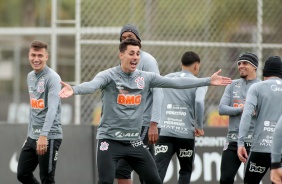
66	91
218	80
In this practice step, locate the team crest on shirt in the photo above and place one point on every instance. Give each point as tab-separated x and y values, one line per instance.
40	87
236	94
30	89
237	85
140	82
119	86
104	146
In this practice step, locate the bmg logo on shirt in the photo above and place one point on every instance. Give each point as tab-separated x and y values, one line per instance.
37	104
129	99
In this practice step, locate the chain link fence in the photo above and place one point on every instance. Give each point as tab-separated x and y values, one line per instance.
218	30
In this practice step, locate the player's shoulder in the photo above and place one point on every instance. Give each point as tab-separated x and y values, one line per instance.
175	74
52	73
110	71
258	86
148	63
237	81
257	80
147	58
269	82
145	74
30	73
142	72
146	55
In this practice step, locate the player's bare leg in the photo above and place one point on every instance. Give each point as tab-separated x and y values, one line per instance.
124	181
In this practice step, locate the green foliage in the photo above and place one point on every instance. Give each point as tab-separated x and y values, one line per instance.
9	13
15	13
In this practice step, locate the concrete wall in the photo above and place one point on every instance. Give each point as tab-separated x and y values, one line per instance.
76	160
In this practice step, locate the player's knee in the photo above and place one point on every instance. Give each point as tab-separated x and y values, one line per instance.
157	181
152	180
122	174
25	178
21	177
48	179
124	181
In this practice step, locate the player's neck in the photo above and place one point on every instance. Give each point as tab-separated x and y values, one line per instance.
189	69
251	77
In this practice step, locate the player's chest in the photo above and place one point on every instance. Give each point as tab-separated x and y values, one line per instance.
36	86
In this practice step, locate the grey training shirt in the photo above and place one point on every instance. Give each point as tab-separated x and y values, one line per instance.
276	144
124	96
264	99
182	109
45	104
154	98
231	104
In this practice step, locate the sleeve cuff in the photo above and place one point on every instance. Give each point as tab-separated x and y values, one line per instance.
74	90
44	134
275	165
240	143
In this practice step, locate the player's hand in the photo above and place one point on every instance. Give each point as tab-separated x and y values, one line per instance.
199	132
41	146
153	133
242	154
217	80
276	175
254	113
67	90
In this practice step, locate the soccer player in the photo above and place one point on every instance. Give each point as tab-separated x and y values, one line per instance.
232	104
44	130
276	170
181	120
151	115
124	90
264	102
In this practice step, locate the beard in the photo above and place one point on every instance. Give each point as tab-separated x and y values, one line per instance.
243	76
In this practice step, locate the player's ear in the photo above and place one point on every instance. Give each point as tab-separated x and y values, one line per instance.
120	55
196	65
199	64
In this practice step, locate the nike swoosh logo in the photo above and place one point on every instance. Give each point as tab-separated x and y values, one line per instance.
14	163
